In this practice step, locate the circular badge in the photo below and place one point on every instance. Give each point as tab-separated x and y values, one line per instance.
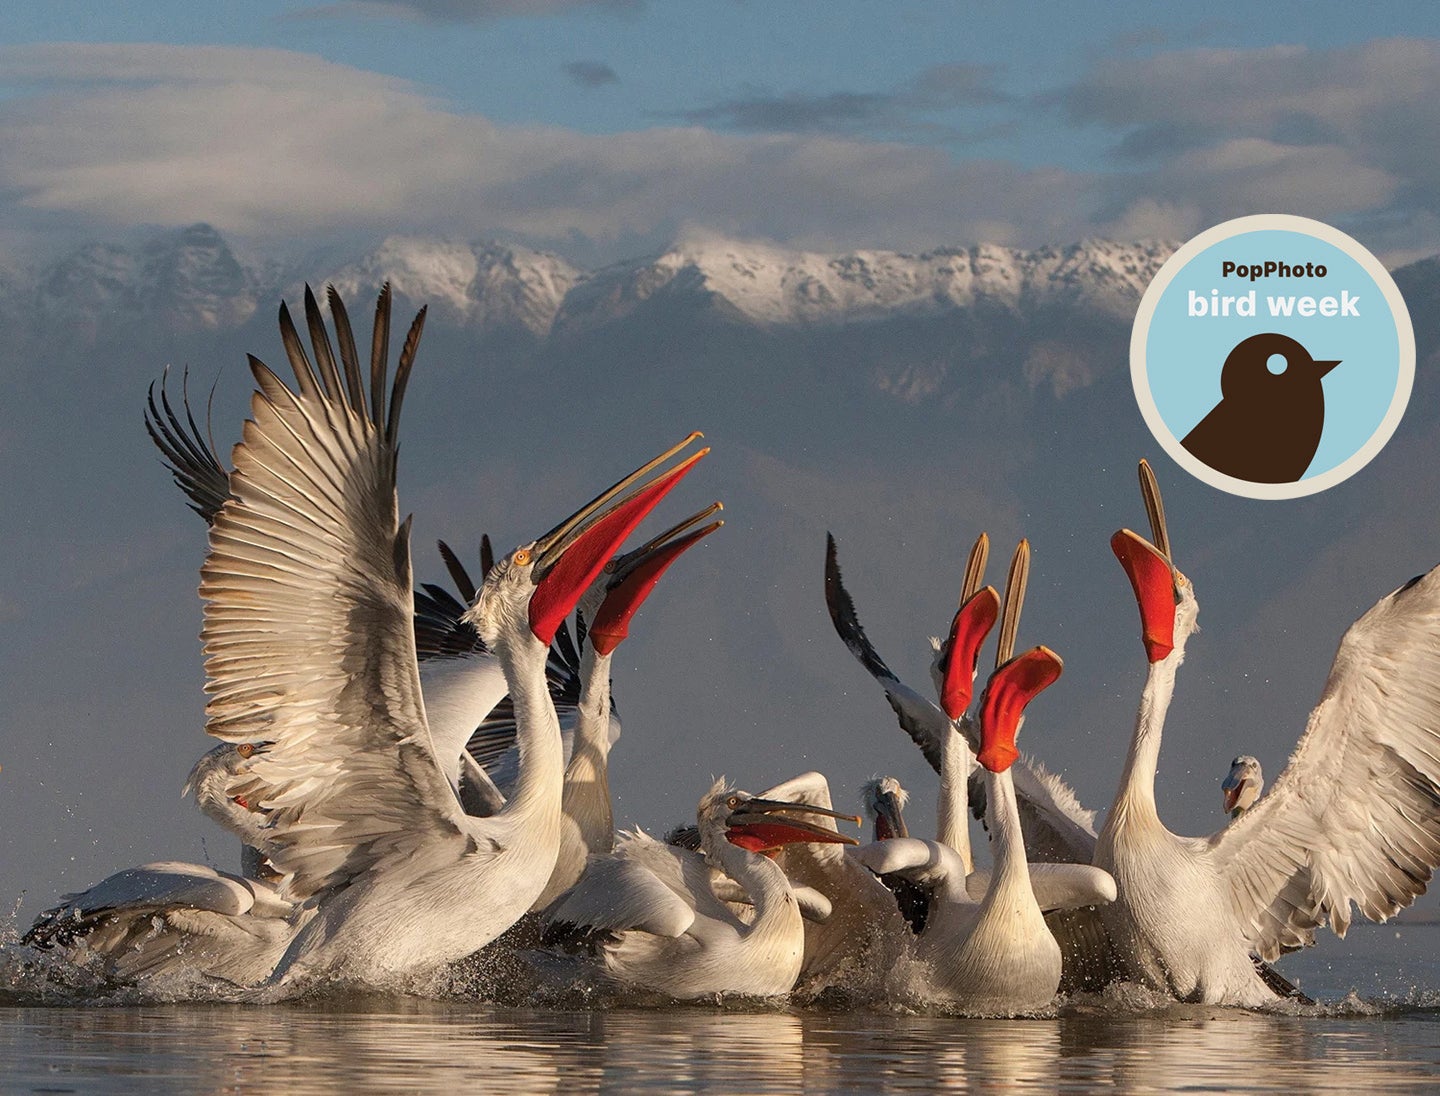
1272	356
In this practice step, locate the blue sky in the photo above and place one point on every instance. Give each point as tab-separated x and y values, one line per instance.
603	128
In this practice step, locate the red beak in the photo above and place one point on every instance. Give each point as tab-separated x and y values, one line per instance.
638	573
1153	578
582	555
1009	690
968	630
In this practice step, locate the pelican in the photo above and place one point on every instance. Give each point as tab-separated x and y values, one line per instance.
1242	785
169	917
994	953
309	648
603	617
652	914
1057	829
882	802
854	947
1353	819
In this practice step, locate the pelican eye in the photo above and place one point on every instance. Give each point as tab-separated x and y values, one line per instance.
522	557
245	749
732	802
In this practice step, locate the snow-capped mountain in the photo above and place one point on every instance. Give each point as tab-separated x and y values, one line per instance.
488	286
764	284
191	280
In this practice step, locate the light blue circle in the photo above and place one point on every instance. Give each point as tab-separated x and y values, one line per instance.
1342	307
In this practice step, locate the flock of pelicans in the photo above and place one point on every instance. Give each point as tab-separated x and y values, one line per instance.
417	776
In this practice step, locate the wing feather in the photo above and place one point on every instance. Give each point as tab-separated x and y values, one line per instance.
1354	820
308	632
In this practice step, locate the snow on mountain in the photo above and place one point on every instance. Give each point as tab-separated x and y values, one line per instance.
190	280
488	286
769	285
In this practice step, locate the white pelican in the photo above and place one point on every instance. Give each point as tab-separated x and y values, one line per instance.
852	950
308	638
882	803
995	954
170	917
582	683
1242	785
1056	828
651	912
1354	818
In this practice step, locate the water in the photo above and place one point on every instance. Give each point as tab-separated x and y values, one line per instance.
1386	1034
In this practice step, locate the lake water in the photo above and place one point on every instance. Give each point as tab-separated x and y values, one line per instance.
1384	1034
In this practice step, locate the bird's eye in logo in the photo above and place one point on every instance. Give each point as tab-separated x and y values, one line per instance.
1272	356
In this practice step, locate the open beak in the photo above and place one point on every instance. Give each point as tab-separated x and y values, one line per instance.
635	574
762	825
1156	585
1008	691
1231	788
968	630
889	822
570	556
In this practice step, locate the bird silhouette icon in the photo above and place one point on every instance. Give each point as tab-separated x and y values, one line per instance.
1271	413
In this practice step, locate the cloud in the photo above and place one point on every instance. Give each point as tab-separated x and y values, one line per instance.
591	74
269	144
274	146
936	89
1339	134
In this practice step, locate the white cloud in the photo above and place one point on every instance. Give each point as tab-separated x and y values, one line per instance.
271	144
1348	134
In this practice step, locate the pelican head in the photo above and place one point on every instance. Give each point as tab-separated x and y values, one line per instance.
882	800
627	580
1168	609
762	825
225	790
1242	785
1002	706
544	579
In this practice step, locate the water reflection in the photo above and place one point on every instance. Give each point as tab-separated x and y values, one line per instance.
385	1045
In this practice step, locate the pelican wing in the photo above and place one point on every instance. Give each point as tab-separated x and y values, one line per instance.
643	886
189	456
308	634
1355	817
928	863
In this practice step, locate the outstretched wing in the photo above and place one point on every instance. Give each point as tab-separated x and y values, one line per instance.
1355	816
308	636
190	457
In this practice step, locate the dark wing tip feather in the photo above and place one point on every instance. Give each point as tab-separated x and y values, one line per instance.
458	575
295	351
324	352
190	459
846	622
402	374
349	355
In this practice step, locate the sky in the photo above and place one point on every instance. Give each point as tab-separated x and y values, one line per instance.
601	129
604	130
